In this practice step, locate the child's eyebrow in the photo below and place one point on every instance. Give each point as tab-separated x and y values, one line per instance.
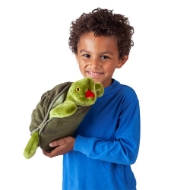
105	52
83	50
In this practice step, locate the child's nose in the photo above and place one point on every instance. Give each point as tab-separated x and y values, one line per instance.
95	63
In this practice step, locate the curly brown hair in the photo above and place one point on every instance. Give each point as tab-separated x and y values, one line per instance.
103	22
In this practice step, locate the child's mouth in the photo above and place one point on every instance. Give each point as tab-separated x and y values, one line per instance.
94	73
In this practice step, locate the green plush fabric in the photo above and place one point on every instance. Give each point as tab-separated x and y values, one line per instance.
60	111
32	145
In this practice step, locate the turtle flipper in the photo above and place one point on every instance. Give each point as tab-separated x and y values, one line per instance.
99	89
32	145
65	109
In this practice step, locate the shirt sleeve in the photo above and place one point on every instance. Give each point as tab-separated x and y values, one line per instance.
124	149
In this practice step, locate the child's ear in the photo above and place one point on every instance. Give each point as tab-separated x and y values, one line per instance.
122	61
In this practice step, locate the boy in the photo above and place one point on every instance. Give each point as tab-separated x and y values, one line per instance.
107	141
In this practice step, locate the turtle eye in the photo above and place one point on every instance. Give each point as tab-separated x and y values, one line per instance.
77	89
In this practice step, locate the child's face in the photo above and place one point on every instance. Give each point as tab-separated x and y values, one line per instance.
98	57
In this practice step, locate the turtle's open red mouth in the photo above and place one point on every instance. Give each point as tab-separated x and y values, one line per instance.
89	94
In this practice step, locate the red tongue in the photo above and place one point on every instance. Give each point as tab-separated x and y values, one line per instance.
89	94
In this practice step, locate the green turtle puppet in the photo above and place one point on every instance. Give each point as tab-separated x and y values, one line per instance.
60	111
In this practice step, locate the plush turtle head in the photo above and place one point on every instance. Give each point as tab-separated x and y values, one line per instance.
84	92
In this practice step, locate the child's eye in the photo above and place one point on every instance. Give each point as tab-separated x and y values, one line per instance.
104	57
86	55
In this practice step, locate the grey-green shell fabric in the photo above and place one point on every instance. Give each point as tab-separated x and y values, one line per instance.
55	128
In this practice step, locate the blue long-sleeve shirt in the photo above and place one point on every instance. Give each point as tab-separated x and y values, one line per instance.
107	143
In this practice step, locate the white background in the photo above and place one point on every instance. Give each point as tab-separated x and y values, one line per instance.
34	57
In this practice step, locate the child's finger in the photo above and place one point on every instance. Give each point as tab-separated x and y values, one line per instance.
57	143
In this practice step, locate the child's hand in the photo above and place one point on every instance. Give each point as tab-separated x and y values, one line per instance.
63	146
